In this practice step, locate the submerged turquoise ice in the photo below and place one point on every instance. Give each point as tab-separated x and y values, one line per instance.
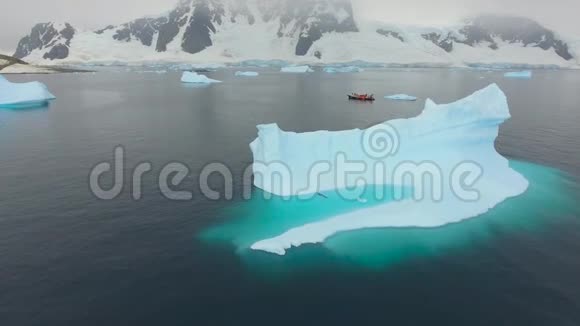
551	196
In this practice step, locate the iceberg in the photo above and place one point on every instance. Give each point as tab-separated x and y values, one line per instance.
347	69
246	73
19	95
194	77
401	97
445	155
519	74
296	69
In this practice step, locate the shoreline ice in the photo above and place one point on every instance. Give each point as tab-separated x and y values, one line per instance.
296	69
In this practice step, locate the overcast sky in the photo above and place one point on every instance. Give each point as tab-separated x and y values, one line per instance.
20	15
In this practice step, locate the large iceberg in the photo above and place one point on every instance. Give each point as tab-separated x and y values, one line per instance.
446	156
519	74
246	74
194	77
296	69
401	97
14	95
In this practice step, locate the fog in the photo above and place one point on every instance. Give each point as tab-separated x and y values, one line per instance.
19	16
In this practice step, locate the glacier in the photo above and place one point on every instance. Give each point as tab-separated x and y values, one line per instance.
20	95
247	74
194	77
519	74
296	69
401	97
447	137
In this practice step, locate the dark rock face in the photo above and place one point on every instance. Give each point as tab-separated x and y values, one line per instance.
46	35
142	29
197	36
446	43
58	51
488	28
198	17
176	19
101	31
388	33
314	18
307	39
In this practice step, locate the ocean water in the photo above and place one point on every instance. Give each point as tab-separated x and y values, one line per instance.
67	257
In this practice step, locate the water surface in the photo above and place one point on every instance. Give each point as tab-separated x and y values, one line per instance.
69	258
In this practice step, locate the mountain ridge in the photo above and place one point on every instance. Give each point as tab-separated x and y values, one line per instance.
296	30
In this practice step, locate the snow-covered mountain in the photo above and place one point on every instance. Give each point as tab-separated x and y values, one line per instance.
296	30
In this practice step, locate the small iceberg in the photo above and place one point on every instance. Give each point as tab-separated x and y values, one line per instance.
347	69
23	95
519	74
401	97
247	74
297	69
194	77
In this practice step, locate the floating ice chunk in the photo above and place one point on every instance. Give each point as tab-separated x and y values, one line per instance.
194	77
348	69
297	69
14	95
401	97
519	74
452	145
246	73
